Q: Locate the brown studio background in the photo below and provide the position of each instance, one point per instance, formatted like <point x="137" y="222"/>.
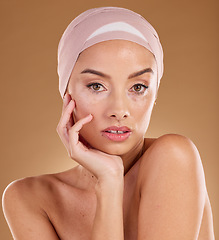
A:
<point x="31" y="105"/>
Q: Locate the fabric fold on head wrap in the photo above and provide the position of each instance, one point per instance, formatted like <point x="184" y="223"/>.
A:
<point x="102" y="24"/>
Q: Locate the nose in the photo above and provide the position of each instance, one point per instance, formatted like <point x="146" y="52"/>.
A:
<point x="118" y="107"/>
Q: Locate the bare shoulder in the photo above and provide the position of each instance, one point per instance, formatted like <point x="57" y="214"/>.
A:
<point x="37" y="190"/>
<point x="26" y="194"/>
<point x="172" y="153"/>
<point x="173" y="143"/>
<point x="172" y="189"/>
<point x="23" y="205"/>
<point x="28" y="189"/>
<point x="172" y="146"/>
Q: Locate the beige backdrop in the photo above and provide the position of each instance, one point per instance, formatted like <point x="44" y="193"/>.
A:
<point x="31" y="105"/>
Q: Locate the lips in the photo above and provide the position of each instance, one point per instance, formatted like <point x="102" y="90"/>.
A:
<point x="117" y="134"/>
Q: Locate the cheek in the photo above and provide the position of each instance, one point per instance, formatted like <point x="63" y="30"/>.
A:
<point x="86" y="104"/>
<point x="141" y="111"/>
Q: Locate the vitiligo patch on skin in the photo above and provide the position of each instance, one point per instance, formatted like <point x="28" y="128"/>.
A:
<point x="103" y="24"/>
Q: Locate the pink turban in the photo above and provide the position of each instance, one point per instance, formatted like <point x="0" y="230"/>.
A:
<point x="102" y="24"/>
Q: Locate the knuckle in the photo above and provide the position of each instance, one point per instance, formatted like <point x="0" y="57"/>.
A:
<point x="75" y="152"/>
<point x="57" y="128"/>
<point x="71" y="129"/>
<point x="71" y="154"/>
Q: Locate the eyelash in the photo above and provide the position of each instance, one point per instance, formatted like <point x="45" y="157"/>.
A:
<point x="142" y="85"/>
<point x="90" y="86"/>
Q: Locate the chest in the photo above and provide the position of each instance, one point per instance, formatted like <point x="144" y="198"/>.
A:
<point x="73" y="214"/>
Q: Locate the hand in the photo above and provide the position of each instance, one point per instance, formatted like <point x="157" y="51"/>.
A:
<point x="103" y="166"/>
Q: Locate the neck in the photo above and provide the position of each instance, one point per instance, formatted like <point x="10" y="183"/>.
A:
<point x="88" y="180"/>
<point x="130" y="158"/>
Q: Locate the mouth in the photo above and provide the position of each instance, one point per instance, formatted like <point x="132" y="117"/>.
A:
<point x="117" y="134"/>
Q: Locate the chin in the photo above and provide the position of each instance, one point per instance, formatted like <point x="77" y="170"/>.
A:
<point x="115" y="148"/>
<point x="118" y="151"/>
<point x="105" y="145"/>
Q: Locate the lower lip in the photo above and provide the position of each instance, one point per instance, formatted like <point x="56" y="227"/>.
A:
<point x="117" y="137"/>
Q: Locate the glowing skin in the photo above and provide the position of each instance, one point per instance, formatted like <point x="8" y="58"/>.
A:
<point x="94" y="200"/>
<point x="118" y="98"/>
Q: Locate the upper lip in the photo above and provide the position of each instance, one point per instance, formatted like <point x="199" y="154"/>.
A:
<point x="115" y="128"/>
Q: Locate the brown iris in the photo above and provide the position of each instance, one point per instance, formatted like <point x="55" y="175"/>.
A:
<point x="137" y="88"/>
<point x="96" y="87"/>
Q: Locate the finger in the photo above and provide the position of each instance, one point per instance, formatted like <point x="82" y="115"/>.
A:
<point x="74" y="131"/>
<point x="62" y="127"/>
<point x="71" y="122"/>
<point x="66" y="100"/>
<point x="67" y="113"/>
<point x="78" y="151"/>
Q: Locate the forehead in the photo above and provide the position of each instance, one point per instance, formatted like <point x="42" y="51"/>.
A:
<point x="111" y="51"/>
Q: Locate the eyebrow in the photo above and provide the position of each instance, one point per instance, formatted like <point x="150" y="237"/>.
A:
<point x="136" y="74"/>
<point x="141" y="72"/>
<point x="92" y="71"/>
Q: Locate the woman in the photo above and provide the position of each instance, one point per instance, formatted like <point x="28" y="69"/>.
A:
<point x="110" y="63"/>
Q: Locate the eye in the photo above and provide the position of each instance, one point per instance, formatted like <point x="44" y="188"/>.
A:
<point x="96" y="87"/>
<point x="139" y="88"/>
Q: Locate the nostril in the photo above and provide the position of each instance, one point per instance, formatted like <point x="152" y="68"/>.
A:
<point x="119" y="116"/>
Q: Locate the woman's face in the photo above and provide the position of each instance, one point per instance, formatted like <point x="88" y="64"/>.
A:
<point x="115" y="81"/>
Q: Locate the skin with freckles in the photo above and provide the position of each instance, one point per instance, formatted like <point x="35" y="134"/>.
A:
<point x="134" y="189"/>
<point x="118" y="98"/>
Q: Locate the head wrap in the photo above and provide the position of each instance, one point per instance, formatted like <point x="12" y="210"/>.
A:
<point x="102" y="24"/>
